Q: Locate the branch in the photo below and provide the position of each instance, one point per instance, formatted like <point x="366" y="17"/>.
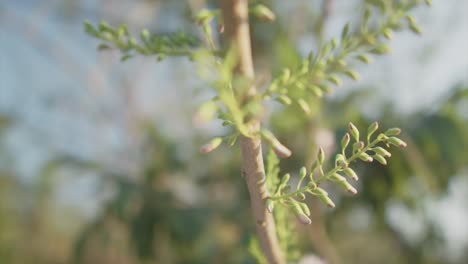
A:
<point x="235" y="15"/>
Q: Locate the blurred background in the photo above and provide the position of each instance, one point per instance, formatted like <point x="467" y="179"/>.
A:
<point x="99" y="158"/>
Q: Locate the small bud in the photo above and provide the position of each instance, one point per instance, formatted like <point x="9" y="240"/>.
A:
<point x="381" y="49"/>
<point x="350" y="173"/>
<point x="353" y="131"/>
<point x="270" y="205"/>
<point x="285" y="75"/>
<point x="284" y="99"/>
<point x="349" y="188"/>
<point x="334" y="43"/>
<point x="345" y="141"/>
<point x="397" y="142"/>
<point x="428" y="2"/>
<point x="341" y="63"/>
<point x="353" y="75"/>
<point x="358" y="145"/>
<point x="303" y="172"/>
<point x="382" y="136"/>
<point x="381" y="151"/>
<point x="304" y="219"/>
<point x="316" y="90"/>
<point x="365" y="157"/>
<point x="388" y="34"/>
<point x="393" y="132"/>
<point x="301" y="196"/>
<point x="323" y="196"/>
<point x="367" y="14"/>
<point x="413" y="25"/>
<point x="345" y="31"/>
<point x="285" y="179"/>
<point x="145" y="35"/>
<point x="334" y="79"/>
<point x="212" y="145"/>
<point x="305" y="208"/>
<point x="364" y="58"/>
<point x="340" y="161"/>
<point x="263" y="13"/>
<point x="301" y="216"/>
<point x="304" y="106"/>
<point x="321" y="156"/>
<point x="380" y="159"/>
<point x="312" y="185"/>
<point x="371" y="129"/>
<point x="280" y="150"/>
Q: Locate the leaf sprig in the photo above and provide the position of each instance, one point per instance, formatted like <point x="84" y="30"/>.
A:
<point x="373" y="148"/>
<point x="318" y="73"/>
<point x="160" y="45"/>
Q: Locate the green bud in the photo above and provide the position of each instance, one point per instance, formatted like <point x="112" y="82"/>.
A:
<point x="301" y="216"/>
<point x="382" y="152"/>
<point x="263" y="13"/>
<point x="396" y="142"/>
<point x="343" y="183"/>
<point x="358" y="145"/>
<point x="348" y="187"/>
<point x="388" y="34"/>
<point x="353" y="75"/>
<point x="319" y="191"/>
<point x="316" y="90"/>
<point x="145" y="35"/>
<point x="312" y="185"/>
<point x="381" y="49"/>
<point x="90" y="29"/>
<point x="303" y="172"/>
<point x="382" y="136"/>
<point x="285" y="179"/>
<point x="345" y="31"/>
<point x="301" y="196"/>
<point x="285" y="75"/>
<point x="428" y="2"/>
<point x="371" y="129"/>
<point x="304" y="219"/>
<point x="350" y="173"/>
<point x="393" y="132"/>
<point x="305" y="208"/>
<point x="367" y="14"/>
<point x="353" y="131"/>
<point x="364" y="58"/>
<point x="345" y="141"/>
<point x="365" y="157"/>
<point x="334" y="43"/>
<point x="280" y="150"/>
<point x="323" y="196"/>
<point x="416" y="29"/>
<point x="380" y="159"/>
<point x="103" y="47"/>
<point x="284" y="99"/>
<point x="326" y="200"/>
<point x="340" y="161"/>
<point x="212" y="145"/>
<point x="270" y="205"/>
<point x="304" y="105"/>
<point x="326" y="89"/>
<point x="341" y="63"/>
<point x="334" y="79"/>
<point x="321" y="156"/>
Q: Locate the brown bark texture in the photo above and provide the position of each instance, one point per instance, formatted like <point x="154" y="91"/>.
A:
<point x="236" y="24"/>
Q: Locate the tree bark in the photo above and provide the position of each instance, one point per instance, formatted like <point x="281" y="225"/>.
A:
<point x="236" y="24"/>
